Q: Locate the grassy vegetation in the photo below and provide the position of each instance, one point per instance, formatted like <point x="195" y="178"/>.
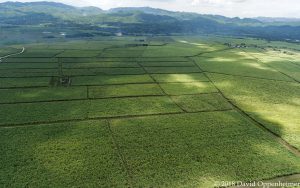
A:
<point x="106" y="80"/>
<point x="60" y="155"/>
<point x="203" y="102"/>
<point x="155" y="70"/>
<point x="42" y="112"/>
<point x="186" y="150"/>
<point x="41" y="94"/>
<point x="124" y="90"/>
<point x="132" y="106"/>
<point x="275" y="104"/>
<point x="195" y="77"/>
<point x="148" y="112"/>
<point x="24" y="82"/>
<point x="188" y="88"/>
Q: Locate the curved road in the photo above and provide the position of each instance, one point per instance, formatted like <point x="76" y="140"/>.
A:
<point x="23" y="49"/>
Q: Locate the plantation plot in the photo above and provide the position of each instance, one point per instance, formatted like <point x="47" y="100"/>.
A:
<point x="61" y="155"/>
<point x="155" y="70"/>
<point x="30" y="60"/>
<point x="78" y="72"/>
<point x="162" y="59"/>
<point x="182" y="111"/>
<point x="42" y="94"/>
<point x="100" y="64"/>
<point x="96" y="59"/>
<point x="124" y="52"/>
<point x="195" y="77"/>
<point x="78" y="53"/>
<point x="24" y="82"/>
<point x="202" y="102"/>
<point x="124" y="90"/>
<point x="188" y="88"/>
<point x="44" y="53"/>
<point x="171" y="50"/>
<point x="242" y="67"/>
<point x="117" y="71"/>
<point x="167" y="64"/>
<point x="281" y="64"/>
<point x="132" y="106"/>
<point x="12" y="114"/>
<point x="28" y="65"/>
<point x="186" y="150"/>
<point x="29" y="72"/>
<point x="274" y="104"/>
<point x="107" y="80"/>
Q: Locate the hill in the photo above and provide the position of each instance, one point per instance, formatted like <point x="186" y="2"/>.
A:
<point x="142" y="21"/>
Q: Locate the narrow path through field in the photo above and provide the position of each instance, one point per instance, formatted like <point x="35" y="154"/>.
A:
<point x="22" y="51"/>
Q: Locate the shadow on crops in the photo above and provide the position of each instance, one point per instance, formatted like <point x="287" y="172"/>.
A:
<point x="169" y="151"/>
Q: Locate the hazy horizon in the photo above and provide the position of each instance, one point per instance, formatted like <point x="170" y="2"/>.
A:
<point x="229" y="8"/>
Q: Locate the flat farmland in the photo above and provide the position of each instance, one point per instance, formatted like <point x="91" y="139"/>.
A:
<point x="185" y="111"/>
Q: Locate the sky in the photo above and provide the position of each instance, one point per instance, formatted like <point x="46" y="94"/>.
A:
<point x="230" y="8"/>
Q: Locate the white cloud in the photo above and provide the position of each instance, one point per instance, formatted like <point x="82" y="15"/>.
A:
<point x="232" y="8"/>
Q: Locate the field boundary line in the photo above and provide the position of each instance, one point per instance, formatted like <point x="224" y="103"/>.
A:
<point x="88" y="97"/>
<point x="260" y="78"/>
<point x="18" y="53"/>
<point x="121" y="156"/>
<point x="93" y="85"/>
<point x="15" y="125"/>
<point x="157" y="83"/>
<point x="259" y="60"/>
<point x="260" y="125"/>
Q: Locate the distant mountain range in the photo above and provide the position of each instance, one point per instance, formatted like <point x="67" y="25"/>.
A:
<point x="144" y="20"/>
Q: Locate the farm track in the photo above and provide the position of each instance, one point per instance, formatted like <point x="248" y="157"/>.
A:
<point x="10" y="55"/>
<point x="120" y="155"/>
<point x="277" y="137"/>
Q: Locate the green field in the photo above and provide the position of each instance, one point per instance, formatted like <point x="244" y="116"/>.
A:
<point x="115" y="112"/>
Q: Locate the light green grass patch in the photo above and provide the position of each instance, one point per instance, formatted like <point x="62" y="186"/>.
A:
<point x="24" y="82"/>
<point x="106" y="80"/>
<point x="79" y="53"/>
<point x="167" y="64"/>
<point x="124" y="90"/>
<point x="42" y="94"/>
<point x="42" y="112"/>
<point x="80" y="154"/>
<point x="203" y="102"/>
<point x="100" y="65"/>
<point x="154" y="70"/>
<point x="196" y="150"/>
<point x="132" y="106"/>
<point x="273" y="103"/>
<point x="194" y="77"/>
<point x="30" y="60"/>
<point x="115" y="71"/>
<point x="28" y="65"/>
<point x="188" y="88"/>
<point x="242" y="67"/>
